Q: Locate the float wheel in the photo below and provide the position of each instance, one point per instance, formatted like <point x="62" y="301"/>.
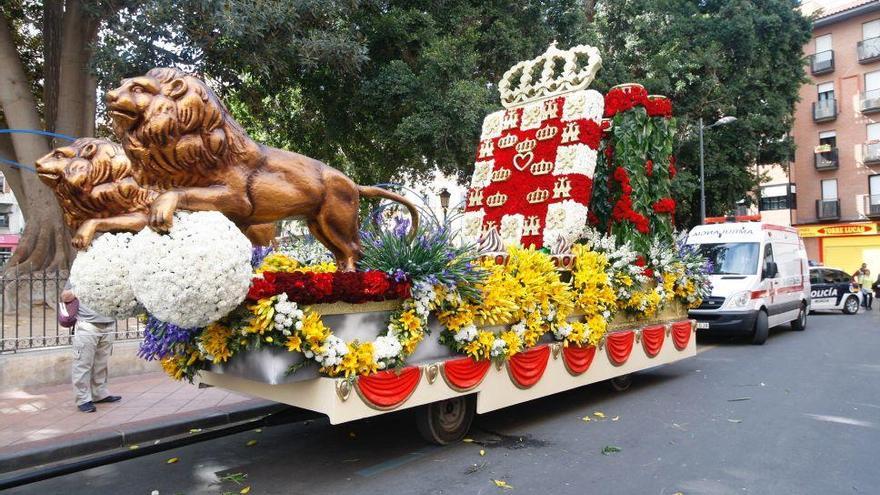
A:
<point x="620" y="383"/>
<point x="446" y="421"/>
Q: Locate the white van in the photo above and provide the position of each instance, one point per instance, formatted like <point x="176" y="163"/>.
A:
<point x="760" y="278"/>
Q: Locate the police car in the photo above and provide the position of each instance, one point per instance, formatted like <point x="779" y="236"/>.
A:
<point x="833" y="289"/>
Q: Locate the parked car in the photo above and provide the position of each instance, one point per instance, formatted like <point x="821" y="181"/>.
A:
<point x="759" y="278"/>
<point x="833" y="289"/>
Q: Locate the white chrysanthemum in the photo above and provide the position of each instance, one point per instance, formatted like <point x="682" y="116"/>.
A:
<point x="386" y="347"/>
<point x="195" y="274"/>
<point x="100" y="277"/>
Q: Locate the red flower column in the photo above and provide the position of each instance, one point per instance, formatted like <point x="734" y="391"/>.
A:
<point x="632" y="183"/>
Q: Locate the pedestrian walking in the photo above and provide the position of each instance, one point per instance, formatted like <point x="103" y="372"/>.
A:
<point x="863" y="278"/>
<point x="93" y="336"/>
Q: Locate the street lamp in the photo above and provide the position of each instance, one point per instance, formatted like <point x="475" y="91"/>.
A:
<point x="722" y="121"/>
<point x="444" y="202"/>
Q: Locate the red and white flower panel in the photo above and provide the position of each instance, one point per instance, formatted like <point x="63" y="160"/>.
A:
<point x="533" y="175"/>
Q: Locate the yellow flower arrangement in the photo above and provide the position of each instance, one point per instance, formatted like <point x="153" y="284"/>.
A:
<point x="263" y="315"/>
<point x="215" y="338"/>
<point x="527" y="290"/>
<point x="357" y="361"/>
<point x="594" y="295"/>
<point x="278" y="262"/>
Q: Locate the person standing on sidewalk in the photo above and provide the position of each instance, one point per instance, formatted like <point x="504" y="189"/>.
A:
<point x="863" y="278"/>
<point x="93" y="337"/>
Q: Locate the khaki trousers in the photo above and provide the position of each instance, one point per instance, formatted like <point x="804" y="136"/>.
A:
<point x="92" y="345"/>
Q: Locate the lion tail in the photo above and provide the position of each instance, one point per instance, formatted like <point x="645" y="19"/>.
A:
<point x="378" y="192"/>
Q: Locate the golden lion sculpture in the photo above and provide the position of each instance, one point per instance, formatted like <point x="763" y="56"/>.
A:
<point x="181" y="139"/>
<point x="92" y="181"/>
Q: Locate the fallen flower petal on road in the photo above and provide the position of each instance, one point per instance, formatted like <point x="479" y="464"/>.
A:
<point x="502" y="484"/>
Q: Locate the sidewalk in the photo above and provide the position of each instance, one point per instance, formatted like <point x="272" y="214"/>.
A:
<point x="41" y="424"/>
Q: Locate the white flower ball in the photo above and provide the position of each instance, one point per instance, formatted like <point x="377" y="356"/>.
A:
<point x="195" y="274"/>
<point x="100" y="277"/>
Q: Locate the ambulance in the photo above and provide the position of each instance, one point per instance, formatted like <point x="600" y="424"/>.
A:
<point x="760" y="278"/>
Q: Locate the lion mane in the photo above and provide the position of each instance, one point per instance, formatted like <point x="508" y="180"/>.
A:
<point x="91" y="178"/>
<point x="179" y="140"/>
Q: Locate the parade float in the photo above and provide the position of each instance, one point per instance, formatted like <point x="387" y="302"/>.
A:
<point x="562" y="270"/>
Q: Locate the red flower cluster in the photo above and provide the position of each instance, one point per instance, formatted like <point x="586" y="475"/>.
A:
<point x="659" y="107"/>
<point x="591" y="133"/>
<point x="321" y="288"/>
<point x="640" y="261"/>
<point x="628" y="97"/>
<point x="672" y="169"/>
<point x="622" y="99"/>
<point x="649" y="168"/>
<point x="665" y="205"/>
<point x="623" y="207"/>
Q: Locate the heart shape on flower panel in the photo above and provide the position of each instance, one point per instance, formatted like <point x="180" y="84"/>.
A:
<point x="533" y="180"/>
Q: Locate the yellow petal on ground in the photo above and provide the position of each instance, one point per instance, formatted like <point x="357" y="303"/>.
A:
<point x="482" y="452"/>
<point x="599" y="414"/>
<point x="133" y="447"/>
<point x="195" y="430"/>
<point x="467" y="440"/>
<point x="172" y="460"/>
<point x="587" y="419"/>
<point x="245" y="490"/>
<point x="259" y="430"/>
<point x="502" y="484"/>
<point x="615" y="418"/>
<point x="251" y="443"/>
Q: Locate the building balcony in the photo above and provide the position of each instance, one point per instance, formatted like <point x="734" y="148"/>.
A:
<point x="872" y="205"/>
<point x="868" y="50"/>
<point x="870" y="101"/>
<point x="871" y="153"/>
<point x="826" y="110"/>
<point x="822" y="62"/>
<point x="826" y="160"/>
<point x="828" y="209"/>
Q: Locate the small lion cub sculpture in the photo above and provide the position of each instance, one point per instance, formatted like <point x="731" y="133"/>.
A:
<point x="92" y="181"/>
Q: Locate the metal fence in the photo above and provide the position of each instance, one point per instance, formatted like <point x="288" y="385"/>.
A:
<point x="28" y="313"/>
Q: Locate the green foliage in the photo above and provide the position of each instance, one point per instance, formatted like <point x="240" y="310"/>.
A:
<point x="391" y="89"/>
<point x="428" y="257"/>
<point x="720" y="57"/>
<point x="635" y="139"/>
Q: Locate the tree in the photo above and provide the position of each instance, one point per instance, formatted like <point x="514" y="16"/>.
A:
<point x="712" y="58"/>
<point x="54" y="53"/>
<point x="418" y="101"/>
<point x="66" y="98"/>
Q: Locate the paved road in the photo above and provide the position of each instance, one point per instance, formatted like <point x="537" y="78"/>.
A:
<point x="808" y="423"/>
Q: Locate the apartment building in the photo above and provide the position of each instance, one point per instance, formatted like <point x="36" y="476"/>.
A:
<point x="836" y="168"/>
<point x="11" y="221"/>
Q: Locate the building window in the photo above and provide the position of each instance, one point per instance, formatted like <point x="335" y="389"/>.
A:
<point x="5" y="254"/>
<point x="777" y="197"/>
<point x="829" y="189"/>
<point x="869" y="48"/>
<point x="826" y="91"/>
<point x="4" y="220"/>
<point x="874" y="194"/>
<point x="872" y="85"/>
<point x="2" y="183"/>
<point x="828" y="139"/>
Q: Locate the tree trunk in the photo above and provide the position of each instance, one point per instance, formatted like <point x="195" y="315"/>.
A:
<point x="45" y="244"/>
<point x="53" y="11"/>
<point x="73" y="61"/>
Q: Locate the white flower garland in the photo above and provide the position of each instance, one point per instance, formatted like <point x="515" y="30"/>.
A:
<point x="100" y="277"/>
<point x="195" y="274"/>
